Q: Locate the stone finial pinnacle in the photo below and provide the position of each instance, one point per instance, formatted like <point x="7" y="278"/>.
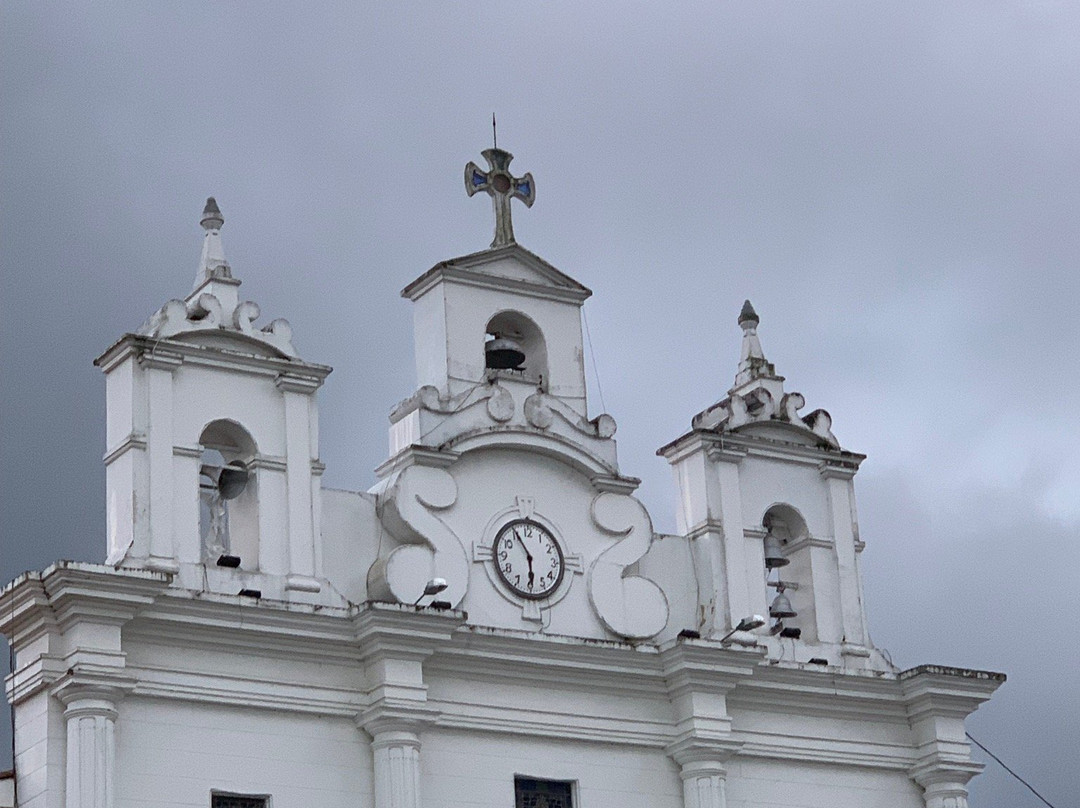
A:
<point x="212" y="263"/>
<point x="752" y="362"/>
<point x="211" y="215"/>
<point x="748" y="317"/>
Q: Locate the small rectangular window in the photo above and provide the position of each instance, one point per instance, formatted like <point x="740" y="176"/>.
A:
<point x="530" y="793"/>
<point x="238" y="801"/>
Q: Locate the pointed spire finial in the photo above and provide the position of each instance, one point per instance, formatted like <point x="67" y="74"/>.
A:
<point x="212" y="263"/>
<point x="211" y="215"/>
<point x="748" y="317"/>
<point x="752" y="362"/>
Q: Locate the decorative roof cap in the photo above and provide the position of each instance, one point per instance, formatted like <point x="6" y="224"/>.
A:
<point x="748" y="315"/>
<point x="211" y="215"/>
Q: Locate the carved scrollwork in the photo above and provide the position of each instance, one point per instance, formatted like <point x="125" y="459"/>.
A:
<point x="206" y="313"/>
<point x="431" y="549"/>
<point x="628" y="605"/>
<point x="537" y="411"/>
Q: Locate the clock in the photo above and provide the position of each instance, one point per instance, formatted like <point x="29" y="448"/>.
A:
<point x="528" y="559"/>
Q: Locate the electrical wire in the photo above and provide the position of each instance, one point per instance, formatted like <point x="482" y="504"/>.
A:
<point x="1001" y="763"/>
<point x="592" y="355"/>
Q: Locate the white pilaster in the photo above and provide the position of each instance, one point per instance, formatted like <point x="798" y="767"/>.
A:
<point x="159" y="443"/>
<point x="704" y="784"/>
<point x="725" y="501"/>
<point x="841" y="500"/>
<point x="397" y="768"/>
<point x="297" y="392"/>
<point x="90" y="717"/>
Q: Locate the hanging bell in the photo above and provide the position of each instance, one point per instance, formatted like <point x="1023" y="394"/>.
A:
<point x="781" y="606"/>
<point x="774" y="554"/>
<point x="503" y="353"/>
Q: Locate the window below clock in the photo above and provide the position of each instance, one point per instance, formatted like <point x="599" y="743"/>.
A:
<point x="238" y="801"/>
<point x="533" y="793"/>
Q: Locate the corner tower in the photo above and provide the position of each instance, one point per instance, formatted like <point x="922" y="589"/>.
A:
<point x="767" y="498"/>
<point x="212" y="464"/>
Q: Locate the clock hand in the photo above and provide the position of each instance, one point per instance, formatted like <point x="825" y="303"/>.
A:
<point x="528" y="557"/>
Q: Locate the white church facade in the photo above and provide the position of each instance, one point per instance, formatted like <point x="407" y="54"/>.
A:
<point x="495" y="623"/>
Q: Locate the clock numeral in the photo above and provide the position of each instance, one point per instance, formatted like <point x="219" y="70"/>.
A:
<point x="503" y="555"/>
<point x="549" y="549"/>
<point x="517" y="578"/>
<point x="507" y="568"/>
<point x="508" y="542"/>
<point x="554" y="562"/>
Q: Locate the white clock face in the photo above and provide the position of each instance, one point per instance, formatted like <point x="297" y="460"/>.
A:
<point x="528" y="559"/>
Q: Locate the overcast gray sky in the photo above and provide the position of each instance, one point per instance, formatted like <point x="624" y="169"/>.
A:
<point x="894" y="185"/>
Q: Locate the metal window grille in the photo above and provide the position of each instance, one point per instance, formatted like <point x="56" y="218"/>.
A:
<point x="235" y="801"/>
<point x="541" y="793"/>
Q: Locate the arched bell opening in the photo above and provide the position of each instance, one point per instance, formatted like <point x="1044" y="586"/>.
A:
<point x="789" y="573"/>
<point x="514" y="345"/>
<point x="228" y="496"/>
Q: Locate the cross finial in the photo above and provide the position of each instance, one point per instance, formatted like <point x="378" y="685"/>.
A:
<point x="501" y="186"/>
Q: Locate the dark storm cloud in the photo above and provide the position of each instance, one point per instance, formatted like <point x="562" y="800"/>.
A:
<point x="894" y="185"/>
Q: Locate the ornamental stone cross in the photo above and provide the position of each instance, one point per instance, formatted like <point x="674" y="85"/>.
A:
<point x="501" y="186"/>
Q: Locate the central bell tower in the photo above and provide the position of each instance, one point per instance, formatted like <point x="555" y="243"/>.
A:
<point x="498" y="481"/>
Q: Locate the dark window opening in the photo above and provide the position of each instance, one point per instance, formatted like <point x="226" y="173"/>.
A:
<point x="529" y="793"/>
<point x="237" y="801"/>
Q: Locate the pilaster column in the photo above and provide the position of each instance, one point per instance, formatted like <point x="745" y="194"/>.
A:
<point x="299" y="453"/>
<point x="945" y="783"/>
<point x="159" y="368"/>
<point x="699" y="675"/>
<point x="938" y="700"/>
<point x="90" y="717"/>
<point x="394" y="641"/>
<point x="395" y="747"/>
<point x="704" y="781"/>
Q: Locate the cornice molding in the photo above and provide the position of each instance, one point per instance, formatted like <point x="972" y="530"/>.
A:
<point x="133" y="440"/>
<point x="138" y="346"/>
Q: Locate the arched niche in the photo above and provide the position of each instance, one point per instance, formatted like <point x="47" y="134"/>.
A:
<point x="228" y="513"/>
<point x="786" y="523"/>
<point x="527" y="334"/>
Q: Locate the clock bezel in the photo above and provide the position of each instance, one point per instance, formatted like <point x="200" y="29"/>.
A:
<point x="516" y="590"/>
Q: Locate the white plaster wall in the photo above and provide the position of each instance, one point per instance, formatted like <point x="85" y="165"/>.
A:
<point x="785" y="784"/>
<point x="670" y="565"/>
<point x="7" y="792"/>
<point x="468" y="311"/>
<point x="766" y="482"/>
<point x="40" y="752"/>
<point x="202" y="395"/>
<point x="472" y="769"/>
<point x="173" y="753"/>
<point x="351" y="533"/>
<point x="488" y="481"/>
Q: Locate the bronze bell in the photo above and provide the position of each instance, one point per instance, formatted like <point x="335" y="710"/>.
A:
<point x="781" y="606"/>
<point x="774" y="554"/>
<point x="503" y="353"/>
